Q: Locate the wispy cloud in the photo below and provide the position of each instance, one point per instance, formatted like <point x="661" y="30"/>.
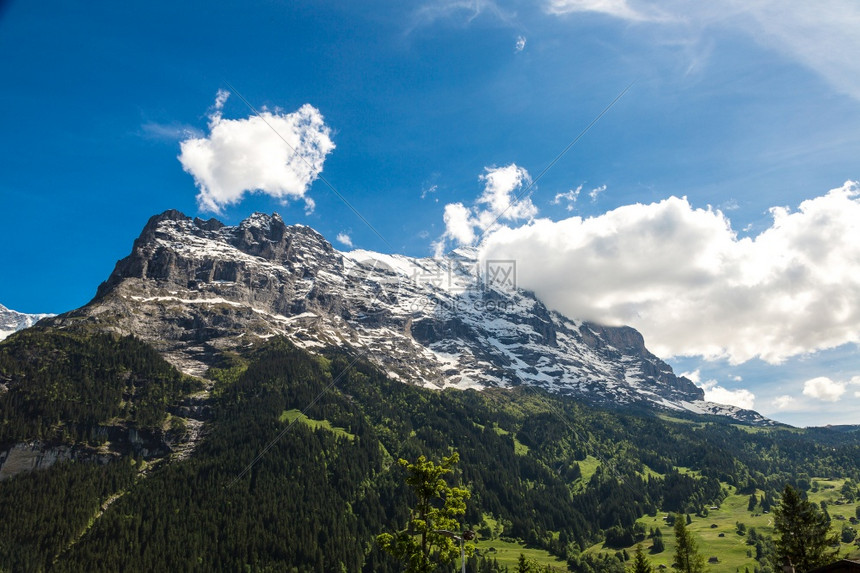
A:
<point x="276" y="153"/>
<point x="819" y="35"/>
<point x="595" y="192"/>
<point x="615" y="8"/>
<point x="462" y="11"/>
<point x="169" y="131"/>
<point x="569" y="197"/>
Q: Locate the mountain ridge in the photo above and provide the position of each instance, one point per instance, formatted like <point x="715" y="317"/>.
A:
<point x="195" y="288"/>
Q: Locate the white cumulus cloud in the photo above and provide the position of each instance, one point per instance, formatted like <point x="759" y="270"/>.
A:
<point x="279" y="154"/>
<point x="683" y="277"/>
<point x="498" y="202"/>
<point x="823" y="388"/>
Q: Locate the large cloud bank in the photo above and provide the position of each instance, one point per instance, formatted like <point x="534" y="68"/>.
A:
<point x="683" y="277"/>
<point x="279" y="154"/>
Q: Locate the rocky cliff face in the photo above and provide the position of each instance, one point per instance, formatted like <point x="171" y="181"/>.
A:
<point x="194" y="288"/>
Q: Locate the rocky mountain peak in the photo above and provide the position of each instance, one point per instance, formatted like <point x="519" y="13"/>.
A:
<point x="194" y="288"/>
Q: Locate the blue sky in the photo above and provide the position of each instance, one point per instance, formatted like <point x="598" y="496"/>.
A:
<point x="735" y="109"/>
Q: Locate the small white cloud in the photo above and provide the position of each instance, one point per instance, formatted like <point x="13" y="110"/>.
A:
<point x="459" y="224"/>
<point x="742" y="398"/>
<point x="783" y="402"/>
<point x="595" y="192"/>
<point x="570" y="196"/>
<point x="344" y="239"/>
<point x="279" y="154"/>
<point x="310" y="205"/>
<point x="521" y="44"/>
<point x="736" y="378"/>
<point x="429" y="190"/>
<point x="694" y="376"/>
<point x="823" y="388"/>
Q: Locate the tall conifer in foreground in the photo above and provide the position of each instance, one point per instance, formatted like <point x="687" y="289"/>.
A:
<point x="804" y="532"/>
<point x="421" y="545"/>
<point x="687" y="556"/>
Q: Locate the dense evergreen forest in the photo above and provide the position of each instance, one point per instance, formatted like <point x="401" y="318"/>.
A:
<point x="65" y="386"/>
<point x="329" y="483"/>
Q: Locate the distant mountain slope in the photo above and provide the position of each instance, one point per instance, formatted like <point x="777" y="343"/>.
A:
<point x="13" y="321"/>
<point x="194" y="288"/>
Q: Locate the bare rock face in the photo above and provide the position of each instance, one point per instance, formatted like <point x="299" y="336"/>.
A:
<point x="194" y="288"/>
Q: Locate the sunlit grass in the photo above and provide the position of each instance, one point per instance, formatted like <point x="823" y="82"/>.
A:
<point x="287" y="416"/>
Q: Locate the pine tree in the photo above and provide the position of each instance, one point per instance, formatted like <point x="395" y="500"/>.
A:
<point x="687" y="557"/>
<point x="523" y="565"/>
<point x="640" y="562"/>
<point x="658" y="546"/>
<point x="804" y="532"/>
<point x="422" y="545"/>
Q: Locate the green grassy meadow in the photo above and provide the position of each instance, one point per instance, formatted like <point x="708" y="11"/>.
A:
<point x="288" y="416"/>
<point x="731" y="548"/>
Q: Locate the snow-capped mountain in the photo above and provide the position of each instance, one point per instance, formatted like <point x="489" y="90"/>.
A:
<point x="13" y="321"/>
<point x="193" y="288"/>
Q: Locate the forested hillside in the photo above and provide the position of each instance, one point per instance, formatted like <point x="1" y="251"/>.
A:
<point x="542" y="469"/>
<point x="67" y="386"/>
